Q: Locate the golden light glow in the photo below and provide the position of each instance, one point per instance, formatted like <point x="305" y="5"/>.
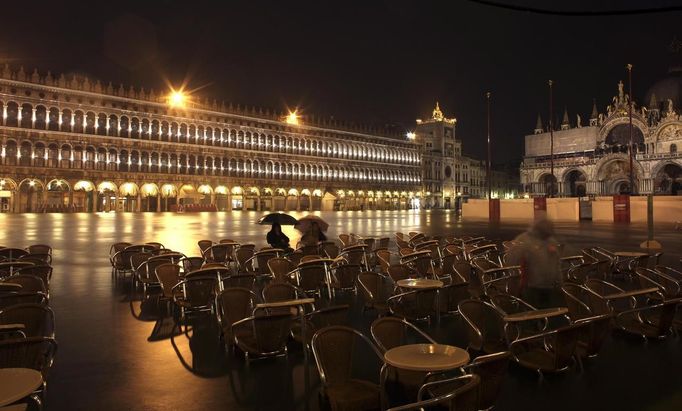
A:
<point x="205" y="189"/>
<point x="177" y="99"/>
<point x="83" y="186"/>
<point x="292" y="118"/>
<point x="221" y="190"/>
<point x="411" y="135"/>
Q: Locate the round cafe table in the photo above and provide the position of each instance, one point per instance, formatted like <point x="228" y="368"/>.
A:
<point x="629" y="254"/>
<point x="419" y="283"/>
<point x="18" y="383"/>
<point x="426" y="357"/>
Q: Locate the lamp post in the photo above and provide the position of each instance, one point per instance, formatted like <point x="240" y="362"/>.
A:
<point x="551" y="139"/>
<point x="632" y="176"/>
<point x="490" y="187"/>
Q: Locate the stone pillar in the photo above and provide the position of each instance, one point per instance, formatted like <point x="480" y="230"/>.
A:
<point x="212" y="198"/>
<point x="70" y="205"/>
<point x="310" y="203"/>
<point x="298" y="203"/>
<point x="138" y="203"/>
<point x="158" y="202"/>
<point x="229" y="201"/>
<point x="258" y="203"/>
<point x="592" y="187"/>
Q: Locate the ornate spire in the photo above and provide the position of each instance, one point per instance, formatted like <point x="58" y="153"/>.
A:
<point x="653" y="102"/>
<point x="565" y="123"/>
<point x="437" y="114"/>
<point x="538" y="125"/>
<point x="595" y="113"/>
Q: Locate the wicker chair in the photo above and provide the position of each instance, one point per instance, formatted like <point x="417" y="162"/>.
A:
<point x="12" y="254"/>
<point x="345" y="240"/>
<point x="262" y="257"/>
<point x="190" y="264"/>
<point x="204" y="245"/>
<point x="41" y="271"/>
<point x="244" y="257"/>
<point x="344" y="277"/>
<point x="334" y="349"/>
<point x="416" y="305"/>
<point x="355" y="254"/>
<point x="36" y="353"/>
<point x="8" y="299"/>
<point x="329" y="249"/>
<point x="400" y="272"/>
<point x="37" y="258"/>
<point x="310" y="277"/>
<point x="464" y="397"/>
<point x="383" y="259"/>
<point x="195" y="294"/>
<point x="668" y="286"/>
<point x="649" y="321"/>
<point x="317" y="320"/>
<point x="593" y="336"/>
<point x="8" y="268"/>
<point x="374" y="289"/>
<point x="168" y="276"/>
<point x="247" y="281"/>
<point x="232" y="305"/>
<point x="263" y="335"/>
<point x="38" y="319"/>
<point x="492" y="369"/>
<point x="281" y="269"/>
<point x="484" y="325"/>
<point x="220" y="253"/>
<point x="582" y="272"/>
<point x="28" y="283"/>
<point x="551" y="351"/>
<point x="390" y="332"/>
<point x="450" y="295"/>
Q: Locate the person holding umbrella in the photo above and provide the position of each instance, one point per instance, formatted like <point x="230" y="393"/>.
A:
<point x="313" y="228"/>
<point x="276" y="238"/>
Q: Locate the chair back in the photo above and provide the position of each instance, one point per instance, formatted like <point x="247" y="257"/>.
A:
<point x="373" y="287"/>
<point x="414" y="305"/>
<point x="10" y="298"/>
<point x="345" y="240"/>
<point x="383" y="242"/>
<point x="28" y="283"/>
<point x="244" y="257"/>
<point x="204" y="245"/>
<point x="44" y="272"/>
<point x="346" y="276"/>
<point x="593" y="336"/>
<point x="199" y="291"/>
<point x="450" y="295"/>
<point x="318" y="319"/>
<point x="240" y="280"/>
<point x="270" y="332"/>
<point x="262" y="258"/>
<point x="400" y="272"/>
<point x="280" y="267"/>
<point x="190" y="264"/>
<point x="36" y="353"/>
<point x="329" y="249"/>
<point x="235" y="304"/>
<point x="390" y="332"/>
<point x="354" y="254"/>
<point x="492" y="368"/>
<point x="116" y="247"/>
<point x="652" y="278"/>
<point x="220" y="253"/>
<point x="333" y="348"/>
<point x="38" y="319"/>
<point x="11" y="254"/>
<point x="8" y="268"/>
<point x="484" y="324"/>
<point x="310" y="277"/>
<point x="168" y="275"/>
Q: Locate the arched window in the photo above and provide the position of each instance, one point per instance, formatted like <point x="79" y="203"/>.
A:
<point x="673" y="148"/>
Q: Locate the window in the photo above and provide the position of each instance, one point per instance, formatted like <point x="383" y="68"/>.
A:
<point x="673" y="148"/>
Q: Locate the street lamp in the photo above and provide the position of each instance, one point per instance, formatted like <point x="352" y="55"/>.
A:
<point x="177" y="99"/>
<point x="551" y="139"/>
<point x="292" y="118"/>
<point x="632" y="176"/>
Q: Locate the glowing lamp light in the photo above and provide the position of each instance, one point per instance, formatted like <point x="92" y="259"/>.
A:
<point x="411" y="135"/>
<point x="292" y="118"/>
<point x="177" y="99"/>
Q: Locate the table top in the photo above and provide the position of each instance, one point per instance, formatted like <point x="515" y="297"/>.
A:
<point x="536" y="314"/>
<point x="287" y="303"/>
<point x="9" y="286"/>
<point x="419" y="283"/>
<point x="629" y="253"/>
<point x="18" y="383"/>
<point x="572" y="257"/>
<point x="632" y="293"/>
<point x="426" y="357"/>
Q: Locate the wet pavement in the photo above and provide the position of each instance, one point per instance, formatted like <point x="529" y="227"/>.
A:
<point x="118" y="354"/>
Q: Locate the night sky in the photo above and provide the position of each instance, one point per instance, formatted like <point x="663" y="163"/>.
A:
<point x="377" y="62"/>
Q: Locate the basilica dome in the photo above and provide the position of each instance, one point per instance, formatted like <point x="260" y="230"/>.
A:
<point x="669" y="87"/>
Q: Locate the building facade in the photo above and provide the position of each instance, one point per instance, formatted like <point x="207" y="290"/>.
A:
<point x="77" y="145"/>
<point x="594" y="159"/>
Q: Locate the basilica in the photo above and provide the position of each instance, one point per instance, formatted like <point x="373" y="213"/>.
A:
<point x="594" y="159"/>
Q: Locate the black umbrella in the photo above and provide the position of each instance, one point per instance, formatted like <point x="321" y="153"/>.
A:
<point x="281" y="218"/>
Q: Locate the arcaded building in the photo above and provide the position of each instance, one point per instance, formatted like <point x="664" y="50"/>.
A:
<point x="593" y="159"/>
<point x="72" y="144"/>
